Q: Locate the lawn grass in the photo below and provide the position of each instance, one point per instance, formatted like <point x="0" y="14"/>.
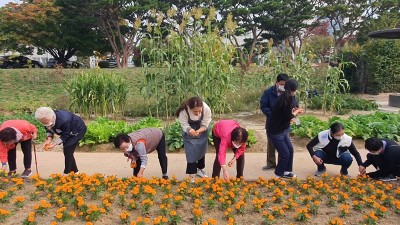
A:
<point x="23" y="90"/>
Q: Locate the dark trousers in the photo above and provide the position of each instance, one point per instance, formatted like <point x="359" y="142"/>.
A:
<point x="217" y="168"/>
<point x="285" y="152"/>
<point x="271" y="159"/>
<point x="162" y="158"/>
<point x="381" y="170"/>
<point x="344" y="160"/>
<point x="26" y="147"/>
<point x="191" y="168"/>
<point x="70" y="163"/>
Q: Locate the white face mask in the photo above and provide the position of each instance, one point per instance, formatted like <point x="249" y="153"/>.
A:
<point x="235" y="145"/>
<point x="130" y="148"/>
<point x="281" y="88"/>
<point x="338" y="138"/>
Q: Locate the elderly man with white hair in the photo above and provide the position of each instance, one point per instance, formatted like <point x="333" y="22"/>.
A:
<point x="70" y="128"/>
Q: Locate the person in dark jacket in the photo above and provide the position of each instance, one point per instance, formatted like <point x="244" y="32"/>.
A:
<point x="138" y="144"/>
<point x="333" y="146"/>
<point x="283" y="114"/>
<point x="69" y="127"/>
<point x="384" y="155"/>
<point x="267" y="102"/>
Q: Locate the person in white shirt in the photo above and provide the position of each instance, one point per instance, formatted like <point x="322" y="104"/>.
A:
<point x="195" y="116"/>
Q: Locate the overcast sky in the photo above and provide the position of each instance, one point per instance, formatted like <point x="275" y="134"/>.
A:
<point x="3" y="2"/>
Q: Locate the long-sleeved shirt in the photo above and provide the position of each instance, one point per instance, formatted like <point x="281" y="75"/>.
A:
<point x="184" y="119"/>
<point x="268" y="100"/>
<point x="331" y="149"/>
<point x="223" y="130"/>
<point x="24" y="130"/>
<point x="279" y="121"/>
<point x="387" y="162"/>
<point x="144" y="141"/>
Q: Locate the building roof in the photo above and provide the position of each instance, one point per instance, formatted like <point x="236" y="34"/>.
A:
<point x="389" y="34"/>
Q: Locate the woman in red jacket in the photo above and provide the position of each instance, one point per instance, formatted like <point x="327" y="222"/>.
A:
<point x="228" y="134"/>
<point x="13" y="132"/>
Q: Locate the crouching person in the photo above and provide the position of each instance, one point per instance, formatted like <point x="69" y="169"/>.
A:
<point x="138" y="144"/>
<point x="333" y="146"/>
<point x="384" y="155"/>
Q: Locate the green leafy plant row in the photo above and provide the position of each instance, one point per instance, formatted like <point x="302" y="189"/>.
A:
<point x="379" y="124"/>
<point x="344" y="103"/>
<point x="31" y="119"/>
<point x="103" y="130"/>
<point x="173" y="136"/>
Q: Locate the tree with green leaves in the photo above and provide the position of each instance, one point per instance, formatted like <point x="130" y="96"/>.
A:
<point x="318" y="41"/>
<point x="346" y="17"/>
<point x="40" y="23"/>
<point x="122" y="22"/>
<point x="260" y="20"/>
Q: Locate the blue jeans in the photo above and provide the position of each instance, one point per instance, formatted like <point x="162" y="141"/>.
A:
<point x="344" y="160"/>
<point x="284" y="148"/>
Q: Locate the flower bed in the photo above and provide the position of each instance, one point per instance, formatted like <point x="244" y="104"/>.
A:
<point x="97" y="199"/>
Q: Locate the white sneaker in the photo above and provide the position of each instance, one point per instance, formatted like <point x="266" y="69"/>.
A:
<point x="201" y="173"/>
<point x="191" y="178"/>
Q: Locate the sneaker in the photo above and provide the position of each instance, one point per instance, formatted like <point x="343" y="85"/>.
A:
<point x="165" y="177"/>
<point x="268" y="167"/>
<point x="201" y="173"/>
<point x="388" y="178"/>
<point x="289" y="175"/>
<point x="319" y="172"/>
<point x="26" y="173"/>
<point x="11" y="173"/>
<point x="192" y="180"/>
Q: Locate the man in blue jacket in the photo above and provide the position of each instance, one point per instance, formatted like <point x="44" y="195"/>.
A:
<point x="267" y="102"/>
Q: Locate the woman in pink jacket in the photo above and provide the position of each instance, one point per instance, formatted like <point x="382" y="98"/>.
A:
<point x="13" y="132"/>
<point x="228" y="134"/>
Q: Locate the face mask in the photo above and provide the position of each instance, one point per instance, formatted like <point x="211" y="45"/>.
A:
<point x="338" y="137"/>
<point x="49" y="126"/>
<point x="281" y="88"/>
<point x="130" y="148"/>
<point x="375" y="153"/>
<point x="235" y="145"/>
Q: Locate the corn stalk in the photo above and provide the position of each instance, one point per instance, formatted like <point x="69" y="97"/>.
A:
<point x="97" y="93"/>
<point x="183" y="65"/>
